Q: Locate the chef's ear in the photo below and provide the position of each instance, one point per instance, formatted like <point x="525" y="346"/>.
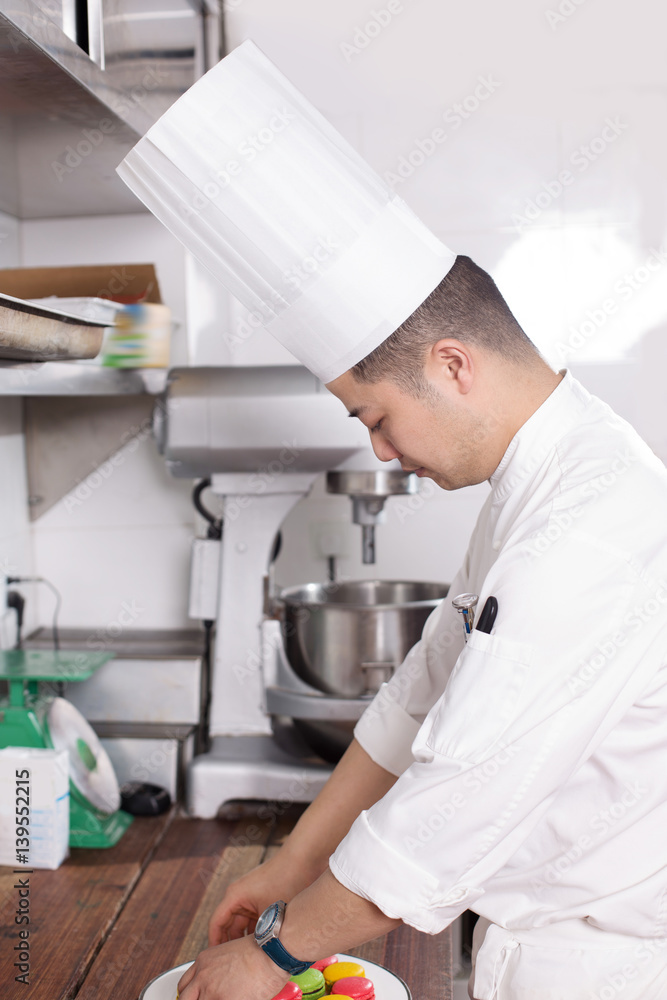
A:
<point x="450" y="361"/>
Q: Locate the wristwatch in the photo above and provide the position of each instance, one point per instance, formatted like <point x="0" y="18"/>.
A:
<point x="266" y="935"/>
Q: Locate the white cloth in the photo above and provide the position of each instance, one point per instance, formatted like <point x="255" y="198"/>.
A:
<point x="535" y="791"/>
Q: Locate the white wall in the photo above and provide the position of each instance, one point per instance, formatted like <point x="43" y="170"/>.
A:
<point x="119" y="549"/>
<point x="520" y="94"/>
<point x="16" y="557"/>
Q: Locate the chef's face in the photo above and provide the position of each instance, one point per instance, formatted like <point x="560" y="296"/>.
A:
<point x="437" y="435"/>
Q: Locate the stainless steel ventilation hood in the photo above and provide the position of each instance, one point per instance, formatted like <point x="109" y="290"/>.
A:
<point x="66" y="119"/>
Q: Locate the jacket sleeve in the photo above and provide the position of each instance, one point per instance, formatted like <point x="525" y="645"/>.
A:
<point x="389" y="725"/>
<point x="579" y="634"/>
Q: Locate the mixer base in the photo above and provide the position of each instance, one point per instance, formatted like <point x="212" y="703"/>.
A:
<point x="251" y="767"/>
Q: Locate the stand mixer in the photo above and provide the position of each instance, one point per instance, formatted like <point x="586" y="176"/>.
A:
<point x="262" y="435"/>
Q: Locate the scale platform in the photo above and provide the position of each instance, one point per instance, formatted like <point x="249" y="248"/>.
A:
<point x="23" y="724"/>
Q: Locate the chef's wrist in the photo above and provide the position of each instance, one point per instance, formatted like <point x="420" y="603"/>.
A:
<point x="301" y="937"/>
<point x="270" y="971"/>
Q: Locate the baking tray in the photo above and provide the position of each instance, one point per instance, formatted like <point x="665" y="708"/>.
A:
<point x="30" y="332"/>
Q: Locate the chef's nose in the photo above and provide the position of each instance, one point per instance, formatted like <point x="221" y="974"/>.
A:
<point x="383" y="448"/>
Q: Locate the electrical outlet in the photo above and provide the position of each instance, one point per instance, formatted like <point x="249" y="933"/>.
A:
<point x="330" y="538"/>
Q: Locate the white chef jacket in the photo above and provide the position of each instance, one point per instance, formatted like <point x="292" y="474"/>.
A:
<point x="533" y="760"/>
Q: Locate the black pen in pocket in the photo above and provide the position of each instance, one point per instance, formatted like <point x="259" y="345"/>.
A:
<point x="488" y="616"/>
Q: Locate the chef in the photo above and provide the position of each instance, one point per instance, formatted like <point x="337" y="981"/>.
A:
<point x="516" y="768"/>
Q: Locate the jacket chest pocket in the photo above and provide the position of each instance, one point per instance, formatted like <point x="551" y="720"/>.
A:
<point x="482" y="698"/>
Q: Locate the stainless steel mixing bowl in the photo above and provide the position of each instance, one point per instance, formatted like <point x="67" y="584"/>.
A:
<point x="347" y="638"/>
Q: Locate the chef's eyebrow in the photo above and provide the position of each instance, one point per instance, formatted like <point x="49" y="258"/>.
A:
<point x="358" y="410"/>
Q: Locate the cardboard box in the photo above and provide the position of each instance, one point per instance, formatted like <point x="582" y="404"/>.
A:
<point x="141" y="338"/>
<point x="120" y="282"/>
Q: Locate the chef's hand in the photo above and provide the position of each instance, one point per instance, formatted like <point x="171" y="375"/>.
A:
<point x="238" y="970"/>
<point x="356" y="783"/>
<point x="244" y="900"/>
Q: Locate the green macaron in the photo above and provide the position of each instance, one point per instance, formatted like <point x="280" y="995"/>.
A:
<point x="311" y="984"/>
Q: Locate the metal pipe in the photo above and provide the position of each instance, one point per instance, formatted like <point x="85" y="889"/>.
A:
<point x="368" y="543"/>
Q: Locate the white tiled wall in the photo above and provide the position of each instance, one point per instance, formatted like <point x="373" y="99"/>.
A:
<point x="517" y="89"/>
<point x="15" y="540"/>
<point x="119" y="551"/>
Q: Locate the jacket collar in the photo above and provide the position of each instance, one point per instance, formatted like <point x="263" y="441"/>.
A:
<point x="538" y="437"/>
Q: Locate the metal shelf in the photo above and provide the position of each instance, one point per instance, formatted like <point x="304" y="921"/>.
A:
<point x="66" y="123"/>
<point x="71" y="378"/>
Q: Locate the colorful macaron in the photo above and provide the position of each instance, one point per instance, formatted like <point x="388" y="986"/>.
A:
<point x="355" y="987"/>
<point x="311" y="984"/>
<point x="341" y="970"/>
<point x="324" y="962"/>
<point x="290" y="991"/>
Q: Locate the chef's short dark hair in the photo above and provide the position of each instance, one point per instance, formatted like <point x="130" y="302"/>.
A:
<point x="466" y="306"/>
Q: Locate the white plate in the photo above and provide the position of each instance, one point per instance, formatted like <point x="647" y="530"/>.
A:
<point x="388" y="986"/>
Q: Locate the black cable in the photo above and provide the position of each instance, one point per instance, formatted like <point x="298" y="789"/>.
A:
<point x="17" y="602"/>
<point x="203" y="735"/>
<point x="214" y="523"/>
<point x="277" y="546"/>
<point x="214" y="532"/>
<point x="56" y="593"/>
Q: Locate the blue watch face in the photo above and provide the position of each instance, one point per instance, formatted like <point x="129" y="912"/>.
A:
<point x="266" y="921"/>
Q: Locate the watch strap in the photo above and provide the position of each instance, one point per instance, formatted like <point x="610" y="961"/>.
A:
<point x="279" y="954"/>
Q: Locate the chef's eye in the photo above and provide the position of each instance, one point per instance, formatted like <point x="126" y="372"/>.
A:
<point x="377" y="427"/>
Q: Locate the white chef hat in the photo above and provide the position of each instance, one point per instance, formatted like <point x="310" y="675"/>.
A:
<point x="280" y="208"/>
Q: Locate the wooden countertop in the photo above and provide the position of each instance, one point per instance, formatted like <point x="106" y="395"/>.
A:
<point x="108" y="921"/>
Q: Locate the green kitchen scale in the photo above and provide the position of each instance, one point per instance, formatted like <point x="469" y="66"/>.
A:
<point x="30" y="718"/>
